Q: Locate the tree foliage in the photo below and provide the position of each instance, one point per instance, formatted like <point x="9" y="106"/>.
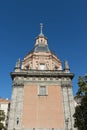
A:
<point x="82" y="83"/>
<point x="80" y="114"/>
<point x="2" y="118"/>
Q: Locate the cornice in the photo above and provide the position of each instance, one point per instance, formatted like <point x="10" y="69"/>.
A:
<point x="42" y="73"/>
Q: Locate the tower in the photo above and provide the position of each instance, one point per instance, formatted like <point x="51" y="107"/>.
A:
<point x="42" y="96"/>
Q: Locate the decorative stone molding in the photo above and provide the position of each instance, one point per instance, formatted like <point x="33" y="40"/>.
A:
<point x="17" y="83"/>
<point x="42" y="73"/>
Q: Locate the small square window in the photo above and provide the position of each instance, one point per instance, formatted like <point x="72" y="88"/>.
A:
<point x="42" y="91"/>
<point x="42" y="66"/>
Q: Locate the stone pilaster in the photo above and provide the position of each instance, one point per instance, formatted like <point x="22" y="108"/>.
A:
<point x="68" y="105"/>
<point x="15" y="117"/>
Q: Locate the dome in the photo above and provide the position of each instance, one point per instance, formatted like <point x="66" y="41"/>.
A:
<point x="41" y="58"/>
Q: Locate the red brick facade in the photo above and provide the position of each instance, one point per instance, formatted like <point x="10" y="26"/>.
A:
<point x="43" y="111"/>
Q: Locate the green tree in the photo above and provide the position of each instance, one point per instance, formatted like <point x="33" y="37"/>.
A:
<point x="2" y="118"/>
<point x="80" y="114"/>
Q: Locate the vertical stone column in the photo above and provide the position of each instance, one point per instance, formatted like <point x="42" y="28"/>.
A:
<point x="16" y="109"/>
<point x="68" y="104"/>
<point x="71" y="106"/>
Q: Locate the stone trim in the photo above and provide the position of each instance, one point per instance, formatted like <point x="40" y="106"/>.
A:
<point x="68" y="105"/>
<point x="42" y="73"/>
<point x="16" y="107"/>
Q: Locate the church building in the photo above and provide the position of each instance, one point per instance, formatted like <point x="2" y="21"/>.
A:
<point x="42" y="97"/>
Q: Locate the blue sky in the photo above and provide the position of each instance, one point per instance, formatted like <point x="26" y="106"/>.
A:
<point x="65" y="26"/>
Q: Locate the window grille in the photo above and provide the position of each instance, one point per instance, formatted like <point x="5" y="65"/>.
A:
<point x="42" y="91"/>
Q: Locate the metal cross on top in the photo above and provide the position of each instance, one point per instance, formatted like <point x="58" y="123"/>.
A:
<point x="41" y="28"/>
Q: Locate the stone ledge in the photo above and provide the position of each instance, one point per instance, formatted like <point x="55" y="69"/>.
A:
<point x="42" y="73"/>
